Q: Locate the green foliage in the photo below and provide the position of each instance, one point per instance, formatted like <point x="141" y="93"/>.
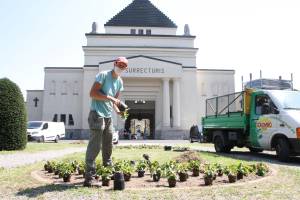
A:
<point x="155" y="168"/>
<point x="242" y="169"/>
<point x="141" y="166"/>
<point x="13" y="117"/>
<point x="182" y="168"/>
<point x="194" y="165"/>
<point x="261" y="169"/>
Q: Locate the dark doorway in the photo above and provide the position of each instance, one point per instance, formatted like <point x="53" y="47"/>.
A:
<point x="141" y="111"/>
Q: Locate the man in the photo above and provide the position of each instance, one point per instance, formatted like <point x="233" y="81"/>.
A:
<point x="104" y="94"/>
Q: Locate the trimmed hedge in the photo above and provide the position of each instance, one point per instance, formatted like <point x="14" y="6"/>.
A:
<point x="13" y="117"/>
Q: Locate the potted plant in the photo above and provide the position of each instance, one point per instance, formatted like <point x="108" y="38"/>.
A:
<point x="194" y="166"/>
<point x="182" y="170"/>
<point x="50" y="166"/>
<point x="140" y="168"/>
<point x="241" y="171"/>
<point x="106" y="176"/>
<point x="208" y="176"/>
<point x="261" y="169"/>
<point x="66" y="172"/>
<point x="231" y="172"/>
<point x="219" y="169"/>
<point x="127" y="170"/>
<point x="171" y="176"/>
<point x="155" y="171"/>
<point x="81" y="168"/>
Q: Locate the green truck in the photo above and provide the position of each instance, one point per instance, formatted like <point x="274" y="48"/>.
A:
<point x="259" y="119"/>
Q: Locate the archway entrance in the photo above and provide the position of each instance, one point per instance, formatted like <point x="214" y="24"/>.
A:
<point x="141" y="120"/>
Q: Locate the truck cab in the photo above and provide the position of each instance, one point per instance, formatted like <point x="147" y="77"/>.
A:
<point x="275" y="121"/>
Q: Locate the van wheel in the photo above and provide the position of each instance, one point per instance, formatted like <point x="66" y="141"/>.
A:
<point x="282" y="148"/>
<point x="42" y="139"/>
<point x="56" y="139"/>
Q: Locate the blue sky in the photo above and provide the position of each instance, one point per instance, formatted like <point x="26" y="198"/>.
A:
<point x="242" y="35"/>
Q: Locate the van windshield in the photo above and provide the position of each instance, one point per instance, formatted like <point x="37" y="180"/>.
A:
<point x="34" y="125"/>
<point x="289" y="100"/>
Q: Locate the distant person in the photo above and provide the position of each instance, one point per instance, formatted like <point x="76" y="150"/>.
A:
<point x="104" y="94"/>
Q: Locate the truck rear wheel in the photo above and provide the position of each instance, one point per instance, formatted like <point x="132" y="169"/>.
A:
<point x="282" y="149"/>
<point x="220" y="146"/>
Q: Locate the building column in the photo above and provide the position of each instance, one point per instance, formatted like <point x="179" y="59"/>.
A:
<point x="176" y="103"/>
<point x="166" y="102"/>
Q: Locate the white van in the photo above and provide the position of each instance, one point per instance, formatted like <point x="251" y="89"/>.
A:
<point x="44" y="131"/>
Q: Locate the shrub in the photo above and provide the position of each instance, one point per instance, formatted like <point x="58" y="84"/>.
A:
<point x="13" y="117"/>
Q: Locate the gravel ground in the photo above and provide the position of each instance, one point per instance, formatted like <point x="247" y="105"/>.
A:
<point x="19" y="159"/>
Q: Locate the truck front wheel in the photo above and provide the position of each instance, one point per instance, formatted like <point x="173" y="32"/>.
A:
<point x="282" y="149"/>
<point x="220" y="146"/>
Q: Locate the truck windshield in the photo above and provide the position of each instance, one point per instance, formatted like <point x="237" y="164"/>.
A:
<point x="289" y="100"/>
<point x="34" y="125"/>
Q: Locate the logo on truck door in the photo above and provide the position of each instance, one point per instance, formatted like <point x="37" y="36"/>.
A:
<point x="263" y="123"/>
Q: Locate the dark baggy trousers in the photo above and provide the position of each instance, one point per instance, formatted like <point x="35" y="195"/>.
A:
<point x="101" y="135"/>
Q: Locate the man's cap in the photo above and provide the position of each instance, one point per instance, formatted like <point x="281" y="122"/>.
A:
<point x="122" y="60"/>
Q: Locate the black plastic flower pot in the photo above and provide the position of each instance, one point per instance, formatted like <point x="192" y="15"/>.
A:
<point x="156" y="177"/>
<point x="208" y="180"/>
<point x="183" y="177"/>
<point x="141" y="173"/>
<point x="196" y="172"/>
<point x="119" y="182"/>
<point x="239" y="176"/>
<point x="172" y="182"/>
<point x="127" y="177"/>
<point x="105" y="182"/>
<point x="231" y="178"/>
<point x="67" y="178"/>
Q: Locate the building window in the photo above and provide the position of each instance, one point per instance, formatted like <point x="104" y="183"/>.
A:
<point x="132" y="31"/>
<point x="52" y="87"/>
<point x="64" y="88"/>
<point x="54" y="118"/>
<point x="63" y="118"/>
<point x="148" y="32"/>
<point x="71" y="121"/>
<point x="75" y="89"/>
<point x="141" y="32"/>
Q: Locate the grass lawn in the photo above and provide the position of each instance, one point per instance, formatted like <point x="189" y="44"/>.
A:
<point x="33" y="147"/>
<point x="17" y="183"/>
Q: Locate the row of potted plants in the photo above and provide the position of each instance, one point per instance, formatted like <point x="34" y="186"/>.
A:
<point x="170" y="170"/>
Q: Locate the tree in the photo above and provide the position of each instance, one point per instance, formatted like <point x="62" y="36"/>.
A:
<point x="13" y="117"/>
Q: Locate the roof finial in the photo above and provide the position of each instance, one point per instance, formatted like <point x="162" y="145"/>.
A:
<point x="94" y="27"/>
<point x="186" y="30"/>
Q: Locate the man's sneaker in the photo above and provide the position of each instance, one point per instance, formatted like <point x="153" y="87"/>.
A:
<point x="91" y="183"/>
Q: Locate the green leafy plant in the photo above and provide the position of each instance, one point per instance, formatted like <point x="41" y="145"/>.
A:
<point x="124" y="115"/>
<point x="261" y="169"/>
<point x="241" y="171"/>
<point x="219" y="169"/>
<point x="182" y="171"/>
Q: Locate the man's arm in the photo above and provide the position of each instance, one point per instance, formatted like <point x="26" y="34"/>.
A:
<point x="97" y="95"/>
<point x="115" y="106"/>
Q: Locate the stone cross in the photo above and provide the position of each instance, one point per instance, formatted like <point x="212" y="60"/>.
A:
<point x="35" y="101"/>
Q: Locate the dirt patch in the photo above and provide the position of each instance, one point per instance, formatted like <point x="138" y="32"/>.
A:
<point x="188" y="156"/>
<point x="147" y="182"/>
